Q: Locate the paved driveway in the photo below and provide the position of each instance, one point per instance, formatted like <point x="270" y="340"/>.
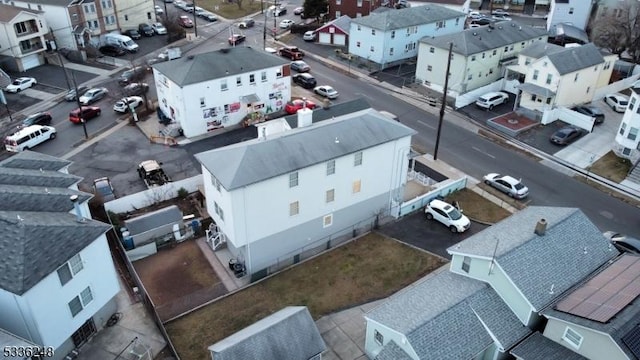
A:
<point x="482" y="115"/>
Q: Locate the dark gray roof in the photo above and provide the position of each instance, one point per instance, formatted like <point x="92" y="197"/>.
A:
<point x="391" y="351"/>
<point x="34" y="161"/>
<point x="152" y="220"/>
<point x="343" y="23"/>
<point x="576" y="58"/>
<point x="217" y="64"/>
<point x="8" y="12"/>
<point x="569" y="232"/>
<point x="403" y="18"/>
<point x="257" y="160"/>
<point x="477" y="40"/>
<point x="64" y="3"/>
<point x="289" y="334"/>
<point x="35" y="244"/>
<point x="540" y="49"/>
<point x="538" y="347"/>
<point x="38" y="198"/>
<point x="569" y="32"/>
<point x="16" y="176"/>
<point x="536" y="89"/>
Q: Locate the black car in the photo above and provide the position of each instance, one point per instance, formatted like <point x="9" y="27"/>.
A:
<point x="41" y="118"/>
<point x="592" y="111"/>
<point x="305" y="80"/>
<point x="146" y="29"/>
<point x="112" y="50"/>
<point x="71" y="94"/>
<point x="483" y="21"/>
<point x="623" y="243"/>
<point x="136" y="89"/>
<point x="236" y="39"/>
<point x="132" y="75"/>
<point x="132" y="33"/>
<point x="566" y="135"/>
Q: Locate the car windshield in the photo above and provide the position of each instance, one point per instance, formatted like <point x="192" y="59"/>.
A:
<point x="454" y="214"/>
<point x="624" y="102"/>
<point x="16" y="82"/>
<point x="103" y="189"/>
<point x="518" y="186"/>
<point x="129" y="43"/>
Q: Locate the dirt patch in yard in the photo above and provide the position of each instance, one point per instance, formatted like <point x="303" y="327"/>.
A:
<point x="179" y="279"/>
<point x="478" y="208"/>
<point x="369" y="268"/>
<point x="611" y="167"/>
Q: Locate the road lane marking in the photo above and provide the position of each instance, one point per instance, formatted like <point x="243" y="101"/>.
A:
<point x="480" y="151"/>
<point x="427" y="125"/>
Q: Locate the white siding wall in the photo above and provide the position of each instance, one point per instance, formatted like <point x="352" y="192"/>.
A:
<point x="189" y="112"/>
<point x="575" y="12"/>
<point x="130" y="13"/>
<point x="57" y="18"/>
<point x="595" y="345"/>
<point x="630" y="120"/>
<point x="46" y="304"/>
<point x="605" y="70"/>
<point x="223" y="199"/>
<point x="372" y="348"/>
<point x="543" y="70"/>
<point x="572" y="91"/>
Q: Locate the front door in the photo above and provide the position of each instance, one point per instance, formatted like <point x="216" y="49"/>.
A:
<point x="84" y="333"/>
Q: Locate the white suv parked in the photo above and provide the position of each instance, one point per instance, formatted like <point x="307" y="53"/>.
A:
<point x="448" y="215"/>
<point x="492" y="99"/>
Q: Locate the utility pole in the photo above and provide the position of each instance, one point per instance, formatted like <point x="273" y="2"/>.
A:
<point x="4" y="101"/>
<point x="444" y="102"/>
<point x="275" y="21"/>
<point x="195" y="22"/>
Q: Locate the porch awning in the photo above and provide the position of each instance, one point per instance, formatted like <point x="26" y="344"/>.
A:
<point x="537" y="90"/>
<point x="250" y="99"/>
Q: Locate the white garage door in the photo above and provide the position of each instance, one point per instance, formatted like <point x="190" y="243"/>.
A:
<point x="339" y="39"/>
<point x="31" y="61"/>
<point x="325" y="38"/>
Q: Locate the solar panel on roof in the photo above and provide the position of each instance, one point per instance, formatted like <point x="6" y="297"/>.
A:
<point x="607" y="293"/>
<point x="632" y="340"/>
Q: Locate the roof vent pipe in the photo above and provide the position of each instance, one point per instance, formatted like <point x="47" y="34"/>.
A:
<point x="541" y="227"/>
<point x="76" y="207"/>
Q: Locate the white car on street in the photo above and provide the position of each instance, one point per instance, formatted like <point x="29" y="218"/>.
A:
<point x="448" y="215"/>
<point x="285" y="24"/>
<point x="326" y="91"/>
<point x="159" y="29"/>
<point x="309" y="36"/>
<point x="617" y="102"/>
<point x="20" y="84"/>
<point x="507" y="184"/>
<point x="123" y="105"/>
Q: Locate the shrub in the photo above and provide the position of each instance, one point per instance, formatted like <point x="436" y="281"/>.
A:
<point x="182" y="193"/>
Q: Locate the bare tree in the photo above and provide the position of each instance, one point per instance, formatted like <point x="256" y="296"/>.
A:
<point x="239" y="3"/>
<point x="619" y="30"/>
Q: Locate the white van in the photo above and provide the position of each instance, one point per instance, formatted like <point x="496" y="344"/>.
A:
<point x="123" y="41"/>
<point x="28" y="137"/>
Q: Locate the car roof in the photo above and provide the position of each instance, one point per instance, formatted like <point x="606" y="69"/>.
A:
<point x="510" y="179"/>
<point x="619" y="96"/>
<point x="439" y="204"/>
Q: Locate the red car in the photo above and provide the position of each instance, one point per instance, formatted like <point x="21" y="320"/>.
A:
<point x="293" y="106"/>
<point x="88" y="112"/>
<point x="185" y="21"/>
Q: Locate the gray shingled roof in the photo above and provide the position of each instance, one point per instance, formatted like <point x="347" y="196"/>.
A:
<point x="38" y="198"/>
<point x="554" y="259"/>
<point x="154" y="219"/>
<point x="403" y="18"/>
<point x="540" y="49"/>
<point x="477" y="40"/>
<point x="35" y="244"/>
<point x="538" y="347"/>
<point x="576" y="58"/>
<point x="217" y="64"/>
<point x="64" y="3"/>
<point x="289" y="334"/>
<point x="16" y="176"/>
<point x="391" y="351"/>
<point x="343" y="23"/>
<point x="256" y="160"/>
<point x="34" y="161"/>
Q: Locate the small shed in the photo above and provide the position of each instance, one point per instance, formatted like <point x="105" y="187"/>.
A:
<point x="289" y="334"/>
<point x="154" y="226"/>
<point x="335" y="32"/>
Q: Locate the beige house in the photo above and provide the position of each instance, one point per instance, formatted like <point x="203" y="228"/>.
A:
<point x="553" y="76"/>
<point x="131" y="13"/>
<point x="22" y="39"/>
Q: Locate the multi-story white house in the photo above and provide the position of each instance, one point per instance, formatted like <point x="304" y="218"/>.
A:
<point x="276" y="197"/>
<point x="573" y="12"/>
<point x="627" y="141"/>
<point x="457" y="5"/>
<point x="553" y="75"/>
<point x="76" y="23"/>
<point x="22" y="39"/>
<point x="221" y="88"/>
<point x="389" y="37"/>
<point x="58" y="282"/>
<point x="479" y="55"/>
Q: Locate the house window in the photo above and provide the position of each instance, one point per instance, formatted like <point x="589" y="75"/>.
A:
<point x="89" y="8"/>
<point x="466" y="264"/>
<point x="473" y="58"/>
<point x="293" y="179"/>
<point x="527" y="62"/>
<point x="338" y="2"/>
<point x="377" y="336"/>
<point x="429" y="67"/>
<point x="67" y="271"/>
<point x="570" y="11"/>
<point x="252" y="79"/>
<point x="595" y="68"/>
<point x="572" y="337"/>
<point x="431" y="50"/>
<point x="484" y="55"/>
<point x="327" y="220"/>
<point x="126" y="17"/>
<point x="149" y="15"/>
<point x="495" y="52"/>
<point x="359" y="4"/>
<point x="576" y="77"/>
<point x="506" y="48"/>
<point x="588" y="89"/>
<point x="359" y="28"/>
<point x="215" y="183"/>
<point x="535" y="74"/>
<point x="223" y="85"/>
<point x="470" y="76"/>
<point x="357" y="43"/>
<point x="491" y="71"/>
<point x="391" y="52"/>
<point x="20" y="27"/>
<point x="40" y="7"/>
<point x="331" y="167"/>
<point x="457" y="21"/>
<point x="338" y="14"/>
<point x="372" y="48"/>
<point x="357" y="159"/>
<point x="355" y="187"/>
<point x="533" y="97"/>
<point x="511" y="48"/>
<point x="216" y="208"/>
<point x="632" y="103"/>
<point x="110" y="20"/>
<point x="373" y="31"/>
<point x="626" y="151"/>
<point x="329" y="196"/>
<point x="81" y="301"/>
<point x="393" y="34"/>
<point x="633" y="133"/>
<point x="106" y="4"/>
<point x="92" y="24"/>
<point x="549" y="78"/>
<point x="548" y="101"/>
<point x="358" y="15"/>
<point x="279" y="73"/>
<point x="440" y="24"/>
<point x="607" y="65"/>
<point x="221" y="213"/>
<point x="294" y="208"/>
<point x="623" y="128"/>
<point x="544" y="64"/>
<point x="238" y="80"/>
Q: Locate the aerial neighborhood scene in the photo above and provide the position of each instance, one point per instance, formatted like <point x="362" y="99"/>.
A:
<point x="320" y="179"/>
